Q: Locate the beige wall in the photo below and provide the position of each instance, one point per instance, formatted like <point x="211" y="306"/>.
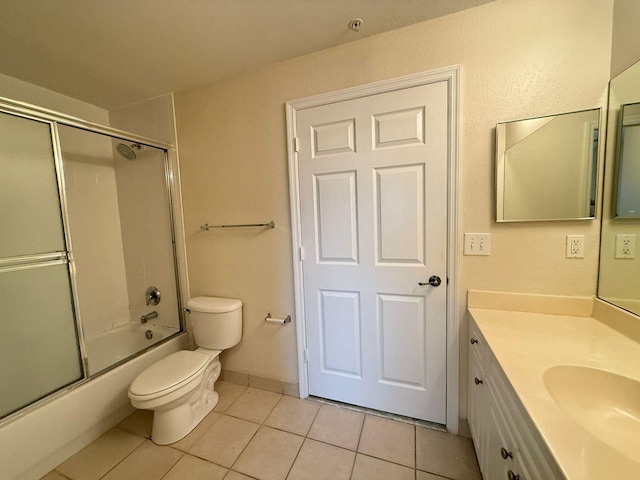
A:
<point x="625" y="48"/>
<point x="520" y="58"/>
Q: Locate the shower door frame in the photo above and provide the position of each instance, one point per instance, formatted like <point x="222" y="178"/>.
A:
<point x="53" y="118"/>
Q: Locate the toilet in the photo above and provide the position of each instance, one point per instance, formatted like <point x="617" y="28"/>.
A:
<point x="179" y="388"/>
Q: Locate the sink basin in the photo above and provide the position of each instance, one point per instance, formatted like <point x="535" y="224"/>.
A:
<point x="605" y="404"/>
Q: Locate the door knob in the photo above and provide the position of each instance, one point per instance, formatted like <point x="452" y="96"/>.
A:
<point x="434" y="281"/>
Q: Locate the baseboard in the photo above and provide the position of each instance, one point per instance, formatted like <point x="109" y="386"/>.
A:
<point x="263" y="383"/>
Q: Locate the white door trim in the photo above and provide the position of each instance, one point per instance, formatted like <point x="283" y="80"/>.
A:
<point x="451" y="75"/>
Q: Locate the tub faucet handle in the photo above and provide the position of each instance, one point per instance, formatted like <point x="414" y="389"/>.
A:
<point x="152" y="295"/>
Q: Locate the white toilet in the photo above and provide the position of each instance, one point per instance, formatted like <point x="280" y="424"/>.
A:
<point x="179" y="388"/>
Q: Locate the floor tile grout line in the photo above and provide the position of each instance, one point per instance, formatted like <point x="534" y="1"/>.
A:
<point x="282" y="429"/>
<point x="389" y="461"/>
<point x="364" y="420"/>
<point x="123" y="459"/>
<point x="243" y="450"/>
<point x="415" y="451"/>
<point x="355" y="457"/>
<point x="232" y="403"/>
<point x="378" y="413"/>
<point x="306" y="435"/>
<point x="222" y="414"/>
<point x="61" y="474"/>
<point x="174" y="463"/>
<point x="296" y="457"/>
<point x="262" y="422"/>
<point x="267" y="416"/>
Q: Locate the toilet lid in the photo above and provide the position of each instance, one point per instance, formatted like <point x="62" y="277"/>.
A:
<point x="170" y="373"/>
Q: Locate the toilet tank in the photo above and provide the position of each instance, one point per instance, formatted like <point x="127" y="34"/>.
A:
<point x="216" y="321"/>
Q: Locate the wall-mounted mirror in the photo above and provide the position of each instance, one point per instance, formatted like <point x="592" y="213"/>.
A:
<point x="546" y="167"/>
<point x="628" y="162"/>
<point x="619" y="279"/>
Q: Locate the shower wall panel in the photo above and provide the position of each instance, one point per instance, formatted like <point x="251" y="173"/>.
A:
<point x="146" y="234"/>
<point x="152" y="118"/>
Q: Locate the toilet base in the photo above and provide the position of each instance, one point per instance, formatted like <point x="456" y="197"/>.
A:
<point x="174" y="424"/>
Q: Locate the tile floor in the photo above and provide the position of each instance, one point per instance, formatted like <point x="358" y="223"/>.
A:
<point x="256" y="434"/>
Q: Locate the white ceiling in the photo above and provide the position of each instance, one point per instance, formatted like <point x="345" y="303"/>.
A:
<point x="114" y="52"/>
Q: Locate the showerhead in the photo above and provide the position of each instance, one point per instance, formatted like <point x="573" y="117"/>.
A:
<point x="128" y="151"/>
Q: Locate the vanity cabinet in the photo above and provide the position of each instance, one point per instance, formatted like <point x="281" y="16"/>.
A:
<point x="477" y="392"/>
<point x="506" y="441"/>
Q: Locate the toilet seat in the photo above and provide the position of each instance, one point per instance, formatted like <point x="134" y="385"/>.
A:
<point x="169" y="374"/>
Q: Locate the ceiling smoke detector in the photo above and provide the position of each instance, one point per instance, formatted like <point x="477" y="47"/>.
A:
<point x="355" y="24"/>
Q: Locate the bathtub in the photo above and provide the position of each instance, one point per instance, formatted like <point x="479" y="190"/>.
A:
<point x="38" y="441"/>
<point x="110" y="348"/>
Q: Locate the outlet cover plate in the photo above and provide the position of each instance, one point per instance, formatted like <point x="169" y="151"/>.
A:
<point x="477" y="243"/>
<point x="575" y="246"/>
<point x="625" y="246"/>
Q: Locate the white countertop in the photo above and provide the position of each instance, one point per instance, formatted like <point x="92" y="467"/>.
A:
<point x="526" y="344"/>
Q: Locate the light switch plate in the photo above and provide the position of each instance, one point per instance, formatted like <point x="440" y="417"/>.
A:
<point x="477" y="243"/>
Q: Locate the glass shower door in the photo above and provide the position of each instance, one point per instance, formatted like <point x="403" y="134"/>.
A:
<point x="39" y="346"/>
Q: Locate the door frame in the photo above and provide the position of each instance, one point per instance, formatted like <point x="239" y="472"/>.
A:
<point x="450" y="75"/>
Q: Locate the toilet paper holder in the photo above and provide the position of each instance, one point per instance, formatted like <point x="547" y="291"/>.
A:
<point x="280" y="321"/>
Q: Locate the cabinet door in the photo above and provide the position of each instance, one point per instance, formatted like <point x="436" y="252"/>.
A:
<point x="499" y="441"/>
<point x="476" y="407"/>
<point x="520" y="471"/>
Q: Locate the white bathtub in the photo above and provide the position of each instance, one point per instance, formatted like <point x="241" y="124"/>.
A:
<point x="37" y="442"/>
<point x="111" y="347"/>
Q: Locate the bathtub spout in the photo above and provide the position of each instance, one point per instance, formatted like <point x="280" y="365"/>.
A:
<point x="148" y="316"/>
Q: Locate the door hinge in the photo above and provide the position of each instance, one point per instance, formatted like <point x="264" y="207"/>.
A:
<point x="296" y="144"/>
<point x="306" y="355"/>
<point x="301" y="253"/>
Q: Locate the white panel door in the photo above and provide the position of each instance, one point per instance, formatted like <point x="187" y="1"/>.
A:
<point x="373" y="202"/>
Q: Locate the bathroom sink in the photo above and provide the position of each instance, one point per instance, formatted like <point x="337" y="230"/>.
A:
<point x="605" y="404"/>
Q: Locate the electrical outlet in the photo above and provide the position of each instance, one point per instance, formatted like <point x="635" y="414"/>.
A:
<point x="575" y="246"/>
<point x="625" y="246"/>
<point x="477" y="243"/>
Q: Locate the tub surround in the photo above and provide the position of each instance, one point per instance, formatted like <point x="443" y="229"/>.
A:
<point x="527" y="343"/>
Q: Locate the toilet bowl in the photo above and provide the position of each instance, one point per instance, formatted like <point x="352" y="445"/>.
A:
<point x="180" y="388"/>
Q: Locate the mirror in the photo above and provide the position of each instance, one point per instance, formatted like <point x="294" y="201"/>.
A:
<point x="619" y="279"/>
<point x="546" y="167"/>
<point x="628" y="162"/>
